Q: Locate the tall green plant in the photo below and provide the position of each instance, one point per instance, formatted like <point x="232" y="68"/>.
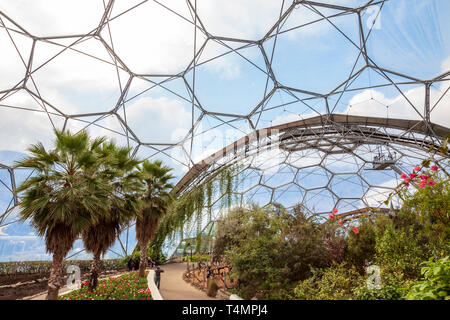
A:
<point x="156" y="199"/>
<point x="436" y="282"/>
<point x="119" y="171"/>
<point x="65" y="196"/>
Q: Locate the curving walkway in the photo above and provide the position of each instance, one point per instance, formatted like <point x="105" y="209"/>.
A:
<point x="173" y="287"/>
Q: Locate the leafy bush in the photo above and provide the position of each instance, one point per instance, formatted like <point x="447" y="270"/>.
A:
<point x="360" y="248"/>
<point x="288" y="255"/>
<point x="393" y="287"/>
<point x="399" y="251"/>
<point x="197" y="258"/>
<point x="436" y="282"/>
<point x="151" y="253"/>
<point x="432" y="203"/>
<point x="135" y="256"/>
<point x="271" y="249"/>
<point x="335" y="283"/>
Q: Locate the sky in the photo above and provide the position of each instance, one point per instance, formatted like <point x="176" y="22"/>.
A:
<point x="156" y="42"/>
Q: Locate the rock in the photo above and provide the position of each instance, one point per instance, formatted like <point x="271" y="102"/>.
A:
<point x="212" y="287"/>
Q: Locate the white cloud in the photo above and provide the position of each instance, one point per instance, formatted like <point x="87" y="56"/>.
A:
<point x="75" y="71"/>
<point x="156" y="119"/>
<point x="446" y="65"/>
<point x="23" y="128"/>
<point x="375" y="196"/>
<point x="373" y="103"/>
<point x="249" y="19"/>
<point x="54" y="17"/>
<point x="291" y="117"/>
<point x="12" y="68"/>
<point x="1" y="232"/>
<point x="226" y="67"/>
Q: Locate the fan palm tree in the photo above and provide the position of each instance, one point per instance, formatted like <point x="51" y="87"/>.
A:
<point x="156" y="199"/>
<point x="65" y="196"/>
<point x="119" y="171"/>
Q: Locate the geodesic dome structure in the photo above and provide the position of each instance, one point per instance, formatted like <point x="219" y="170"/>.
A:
<point x="321" y="102"/>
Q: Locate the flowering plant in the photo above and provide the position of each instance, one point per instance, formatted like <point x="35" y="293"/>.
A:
<point x="126" y="287"/>
<point x="332" y="216"/>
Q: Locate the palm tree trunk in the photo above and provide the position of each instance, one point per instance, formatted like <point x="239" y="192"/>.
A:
<point x="93" y="276"/>
<point x="54" y="281"/>
<point x="143" y="263"/>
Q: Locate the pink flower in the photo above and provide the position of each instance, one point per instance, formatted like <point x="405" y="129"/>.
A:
<point x="340" y="223"/>
<point x="434" y="168"/>
<point x="412" y="175"/>
<point x="407" y="184"/>
<point x="331" y="216"/>
<point x="403" y="176"/>
<point x="335" y="211"/>
<point x="417" y="168"/>
<point x="355" y="230"/>
<point x="431" y="182"/>
<point x="422" y="184"/>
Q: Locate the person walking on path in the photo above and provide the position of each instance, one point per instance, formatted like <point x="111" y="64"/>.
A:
<point x="158" y="272"/>
<point x="130" y="264"/>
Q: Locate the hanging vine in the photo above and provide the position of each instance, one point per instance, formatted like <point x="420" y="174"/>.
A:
<point x="189" y="207"/>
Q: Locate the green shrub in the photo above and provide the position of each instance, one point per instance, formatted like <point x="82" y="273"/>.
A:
<point x="151" y="253"/>
<point x="399" y="251"/>
<point x="197" y="257"/>
<point x="271" y="249"/>
<point x="393" y="287"/>
<point x="360" y="249"/>
<point x="436" y="282"/>
<point x="432" y="203"/>
<point x="334" y="283"/>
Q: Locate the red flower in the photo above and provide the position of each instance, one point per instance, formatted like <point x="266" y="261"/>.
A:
<point x="407" y="184"/>
<point x="331" y="216"/>
<point x="434" y="168"/>
<point x="403" y="176"/>
<point x="355" y="230"/>
<point x="417" y="168"/>
<point x="422" y="184"/>
<point x="340" y="223"/>
<point x="412" y="175"/>
<point x="335" y="211"/>
<point x="431" y="182"/>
